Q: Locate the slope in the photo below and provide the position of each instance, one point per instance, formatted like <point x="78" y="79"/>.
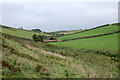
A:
<point x="108" y="43"/>
<point x="21" y="33"/>
<point x="23" y="58"/>
<point x="97" y="31"/>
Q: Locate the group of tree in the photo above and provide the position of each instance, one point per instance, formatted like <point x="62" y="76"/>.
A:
<point x="41" y="38"/>
<point x="37" y="30"/>
<point x="37" y="38"/>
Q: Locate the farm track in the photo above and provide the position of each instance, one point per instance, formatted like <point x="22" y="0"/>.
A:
<point x="54" y="54"/>
<point x="46" y="52"/>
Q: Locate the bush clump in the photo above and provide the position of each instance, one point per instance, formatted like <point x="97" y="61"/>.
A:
<point x="37" y="38"/>
<point x="37" y="30"/>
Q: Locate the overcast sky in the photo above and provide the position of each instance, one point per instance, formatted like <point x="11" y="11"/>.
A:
<point x="54" y="16"/>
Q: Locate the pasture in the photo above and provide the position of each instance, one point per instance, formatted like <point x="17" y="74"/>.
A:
<point x="102" y="30"/>
<point x="109" y="43"/>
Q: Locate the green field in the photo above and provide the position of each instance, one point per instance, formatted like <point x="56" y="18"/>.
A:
<point x="109" y="42"/>
<point x="21" y="33"/>
<point x="102" y="30"/>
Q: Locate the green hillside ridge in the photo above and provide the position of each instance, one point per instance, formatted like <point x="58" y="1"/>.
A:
<point x="97" y="31"/>
<point x="103" y="43"/>
<point x="21" y="33"/>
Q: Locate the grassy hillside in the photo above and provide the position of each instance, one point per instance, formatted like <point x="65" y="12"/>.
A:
<point x="83" y="58"/>
<point x="23" y="60"/>
<point x="109" y="43"/>
<point x="27" y="59"/>
<point x="21" y="33"/>
<point x="97" y="31"/>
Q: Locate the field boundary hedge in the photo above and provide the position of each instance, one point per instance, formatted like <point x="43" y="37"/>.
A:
<point x="15" y="37"/>
<point x="92" y="36"/>
<point x="90" y="29"/>
<point x="84" y="30"/>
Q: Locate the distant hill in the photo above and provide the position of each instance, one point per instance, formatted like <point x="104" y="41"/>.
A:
<point x="20" y="33"/>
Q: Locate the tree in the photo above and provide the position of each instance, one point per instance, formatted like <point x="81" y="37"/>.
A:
<point x="40" y="38"/>
<point x="37" y="38"/>
<point x="37" y="30"/>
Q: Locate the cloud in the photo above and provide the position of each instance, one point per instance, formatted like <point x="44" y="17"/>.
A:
<point x="59" y="16"/>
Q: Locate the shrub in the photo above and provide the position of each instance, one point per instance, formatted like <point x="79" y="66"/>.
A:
<point x="36" y="30"/>
<point x="35" y="37"/>
<point x="39" y="68"/>
<point x="38" y="38"/>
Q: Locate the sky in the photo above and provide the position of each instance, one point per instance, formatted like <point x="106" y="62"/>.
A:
<point x="56" y="16"/>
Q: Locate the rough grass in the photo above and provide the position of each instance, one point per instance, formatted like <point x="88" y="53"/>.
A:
<point x="27" y="59"/>
<point x="102" y="30"/>
<point x="38" y="66"/>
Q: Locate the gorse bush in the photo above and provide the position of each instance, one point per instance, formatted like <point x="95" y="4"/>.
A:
<point x="37" y="38"/>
